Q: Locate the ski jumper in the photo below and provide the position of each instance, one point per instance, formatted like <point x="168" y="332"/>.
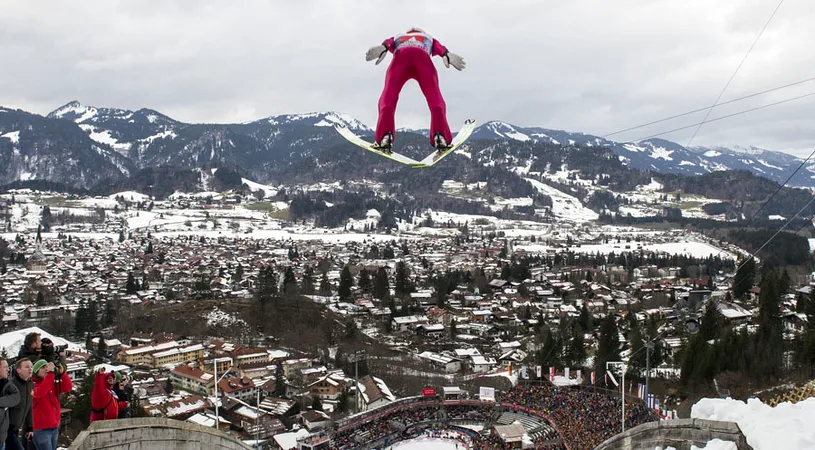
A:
<point x="412" y="54"/>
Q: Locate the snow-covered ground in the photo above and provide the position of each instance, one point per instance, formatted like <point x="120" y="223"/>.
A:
<point x="787" y="426"/>
<point x="565" y="206"/>
<point x="427" y="444"/>
<point x="685" y="247"/>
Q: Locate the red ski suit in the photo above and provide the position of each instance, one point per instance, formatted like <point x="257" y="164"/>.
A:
<point x="412" y="54"/>
<point x="104" y="404"/>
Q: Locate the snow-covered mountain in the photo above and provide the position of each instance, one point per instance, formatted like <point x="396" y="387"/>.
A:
<point x="664" y="156"/>
<point x="79" y="145"/>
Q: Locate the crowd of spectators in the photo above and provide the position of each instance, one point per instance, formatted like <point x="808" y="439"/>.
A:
<point x="469" y="412"/>
<point x="584" y="418"/>
<point x="384" y="425"/>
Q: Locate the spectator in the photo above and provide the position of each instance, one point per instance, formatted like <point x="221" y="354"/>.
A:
<point x="124" y="392"/>
<point x="31" y="348"/>
<point x="9" y="398"/>
<point x="45" y="405"/>
<point x="104" y="403"/>
<point x="21" y="427"/>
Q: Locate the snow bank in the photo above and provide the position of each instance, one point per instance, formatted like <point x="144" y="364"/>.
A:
<point x="766" y="428"/>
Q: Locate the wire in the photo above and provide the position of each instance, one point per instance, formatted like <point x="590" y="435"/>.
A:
<point x="734" y="73"/>
<point x="776" y="234"/>
<point x="780" y="187"/>
<point x="727" y="116"/>
<point x="766" y="91"/>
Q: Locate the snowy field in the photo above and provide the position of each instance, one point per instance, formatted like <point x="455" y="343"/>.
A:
<point x="427" y="444"/>
<point x="685" y="247"/>
<point x="787" y="426"/>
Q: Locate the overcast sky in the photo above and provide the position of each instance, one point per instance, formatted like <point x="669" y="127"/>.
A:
<point x="594" y="66"/>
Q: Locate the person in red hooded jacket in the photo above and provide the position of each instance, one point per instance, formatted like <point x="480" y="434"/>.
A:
<point x="105" y="404"/>
<point x="45" y="403"/>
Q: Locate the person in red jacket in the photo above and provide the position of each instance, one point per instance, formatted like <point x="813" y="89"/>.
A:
<point x="45" y="404"/>
<point x="105" y="404"/>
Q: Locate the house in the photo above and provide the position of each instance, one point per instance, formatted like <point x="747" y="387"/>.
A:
<point x="328" y="387"/>
<point x="247" y="356"/>
<point x="480" y="316"/>
<point x="481" y="364"/>
<point x="208" y="420"/>
<point x="448" y="364"/>
<point x="293" y="366"/>
<point x="431" y="330"/>
<point x="374" y="392"/>
<point x="315" y="420"/>
<point x="177" y="355"/>
<point x="37" y="262"/>
<point x="733" y="313"/>
<point x="407" y="323"/>
<point x="184" y="408"/>
<point x="240" y="388"/>
<point x="252" y="420"/>
<point x="143" y="354"/>
<point x="192" y="379"/>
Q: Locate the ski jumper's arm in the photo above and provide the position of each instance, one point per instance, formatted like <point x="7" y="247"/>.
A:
<point x="390" y="44"/>
<point x="438" y="48"/>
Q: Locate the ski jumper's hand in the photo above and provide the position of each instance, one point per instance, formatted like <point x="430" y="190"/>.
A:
<point x="456" y="61"/>
<point x="377" y="52"/>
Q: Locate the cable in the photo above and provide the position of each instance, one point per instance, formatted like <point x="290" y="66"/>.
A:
<point x="734" y="73"/>
<point x="780" y="187"/>
<point x="767" y="91"/>
<point x="776" y="234"/>
<point x="727" y="116"/>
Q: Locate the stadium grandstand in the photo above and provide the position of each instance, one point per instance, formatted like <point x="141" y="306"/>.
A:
<point x="528" y="416"/>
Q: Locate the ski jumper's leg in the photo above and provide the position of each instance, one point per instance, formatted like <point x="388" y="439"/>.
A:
<point x="395" y="78"/>
<point x="428" y="80"/>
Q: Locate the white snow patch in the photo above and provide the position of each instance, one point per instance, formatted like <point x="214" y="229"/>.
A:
<point x="661" y="153"/>
<point x="268" y="191"/>
<point x="652" y="186"/>
<point x="104" y="137"/>
<point x="769" y="165"/>
<point x="633" y="148"/>
<point x="131" y="196"/>
<point x="161" y="135"/>
<point x="686" y="163"/>
<point x="565" y="206"/>
<point x="13" y="136"/>
<point x="716" y="444"/>
<point x="712" y="153"/>
<point x="219" y="318"/>
<point x="426" y="444"/>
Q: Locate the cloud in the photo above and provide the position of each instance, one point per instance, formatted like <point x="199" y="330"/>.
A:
<point x="587" y="65"/>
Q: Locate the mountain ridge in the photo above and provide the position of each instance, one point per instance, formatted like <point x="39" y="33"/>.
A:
<point x="129" y="140"/>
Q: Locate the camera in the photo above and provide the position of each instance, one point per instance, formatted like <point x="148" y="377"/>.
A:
<point x="50" y="352"/>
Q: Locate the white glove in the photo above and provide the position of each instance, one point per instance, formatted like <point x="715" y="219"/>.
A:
<point x="377" y="52"/>
<point x="455" y="60"/>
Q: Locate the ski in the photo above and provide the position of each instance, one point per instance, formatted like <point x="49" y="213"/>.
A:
<point x="358" y="141"/>
<point x="462" y="136"/>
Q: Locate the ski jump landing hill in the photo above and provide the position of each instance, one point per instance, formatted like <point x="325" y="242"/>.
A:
<point x="153" y="433"/>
